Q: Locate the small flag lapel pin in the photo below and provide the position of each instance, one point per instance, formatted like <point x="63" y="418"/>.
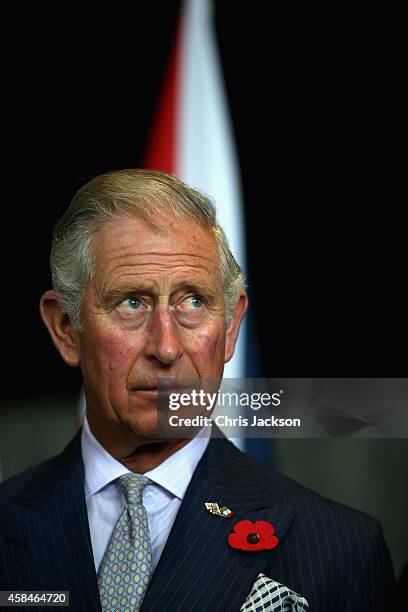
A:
<point x="214" y="508"/>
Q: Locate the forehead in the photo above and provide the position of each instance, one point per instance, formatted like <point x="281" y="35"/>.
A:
<point x="129" y="246"/>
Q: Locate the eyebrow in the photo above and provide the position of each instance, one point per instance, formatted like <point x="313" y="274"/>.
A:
<point x="112" y="296"/>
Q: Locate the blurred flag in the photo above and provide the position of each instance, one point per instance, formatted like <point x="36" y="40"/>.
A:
<point x="192" y="138"/>
<point x="192" y="135"/>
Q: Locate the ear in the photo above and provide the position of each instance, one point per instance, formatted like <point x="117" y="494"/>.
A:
<point x="62" y="332"/>
<point x="232" y="331"/>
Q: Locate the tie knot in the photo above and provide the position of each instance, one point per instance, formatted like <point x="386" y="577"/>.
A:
<point x="133" y="486"/>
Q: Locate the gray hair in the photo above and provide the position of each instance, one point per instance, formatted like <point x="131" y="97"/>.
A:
<point x="148" y="195"/>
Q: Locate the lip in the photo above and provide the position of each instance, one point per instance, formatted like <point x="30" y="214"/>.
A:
<point x="146" y="396"/>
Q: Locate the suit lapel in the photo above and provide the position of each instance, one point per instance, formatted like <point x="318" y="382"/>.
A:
<point x="48" y="541"/>
<point x="198" y="570"/>
<point x="51" y="532"/>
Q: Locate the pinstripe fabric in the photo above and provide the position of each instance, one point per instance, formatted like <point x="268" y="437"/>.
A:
<point x="332" y="555"/>
<point x="45" y="541"/>
<point x="162" y="499"/>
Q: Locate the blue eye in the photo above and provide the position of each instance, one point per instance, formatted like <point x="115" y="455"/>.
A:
<point x="194" y="302"/>
<point x="133" y="303"/>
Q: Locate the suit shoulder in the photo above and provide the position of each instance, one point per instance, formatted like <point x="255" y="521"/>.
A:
<point x="27" y="483"/>
<point x="11" y="488"/>
<point x="341" y="545"/>
<point x="313" y="505"/>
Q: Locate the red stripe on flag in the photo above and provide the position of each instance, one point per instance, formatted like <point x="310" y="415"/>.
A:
<point x="162" y="147"/>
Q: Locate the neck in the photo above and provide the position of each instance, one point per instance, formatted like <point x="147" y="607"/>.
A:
<point x="138" y="454"/>
<point x="148" y="456"/>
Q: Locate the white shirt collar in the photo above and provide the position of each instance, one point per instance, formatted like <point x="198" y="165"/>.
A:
<point x="174" y="474"/>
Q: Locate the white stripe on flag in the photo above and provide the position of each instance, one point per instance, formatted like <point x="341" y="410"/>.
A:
<point x="206" y="155"/>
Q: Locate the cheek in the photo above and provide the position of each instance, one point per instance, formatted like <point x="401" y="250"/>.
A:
<point x="207" y="348"/>
<point x="110" y="352"/>
<point x="120" y="357"/>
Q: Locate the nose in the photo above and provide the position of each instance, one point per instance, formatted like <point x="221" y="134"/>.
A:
<point x="163" y="344"/>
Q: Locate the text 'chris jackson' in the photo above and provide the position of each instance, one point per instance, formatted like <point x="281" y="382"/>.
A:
<point x="225" y="421"/>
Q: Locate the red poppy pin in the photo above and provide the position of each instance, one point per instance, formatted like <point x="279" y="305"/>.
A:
<point x="253" y="536"/>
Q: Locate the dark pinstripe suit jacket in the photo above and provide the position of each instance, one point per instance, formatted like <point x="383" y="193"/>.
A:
<point x="332" y="555"/>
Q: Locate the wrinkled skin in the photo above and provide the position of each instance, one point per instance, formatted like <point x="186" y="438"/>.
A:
<point x="154" y="309"/>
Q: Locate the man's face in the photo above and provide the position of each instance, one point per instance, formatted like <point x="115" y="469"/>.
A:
<point x="155" y="309"/>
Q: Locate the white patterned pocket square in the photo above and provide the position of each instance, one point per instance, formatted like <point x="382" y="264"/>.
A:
<point x="267" y="595"/>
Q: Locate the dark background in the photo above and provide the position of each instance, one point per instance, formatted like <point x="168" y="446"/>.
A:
<point x="316" y="100"/>
<point x="311" y="97"/>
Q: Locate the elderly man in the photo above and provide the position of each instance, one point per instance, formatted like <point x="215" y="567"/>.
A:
<point x="146" y="288"/>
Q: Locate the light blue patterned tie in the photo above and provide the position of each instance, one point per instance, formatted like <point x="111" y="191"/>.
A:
<point x="126" y="567"/>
